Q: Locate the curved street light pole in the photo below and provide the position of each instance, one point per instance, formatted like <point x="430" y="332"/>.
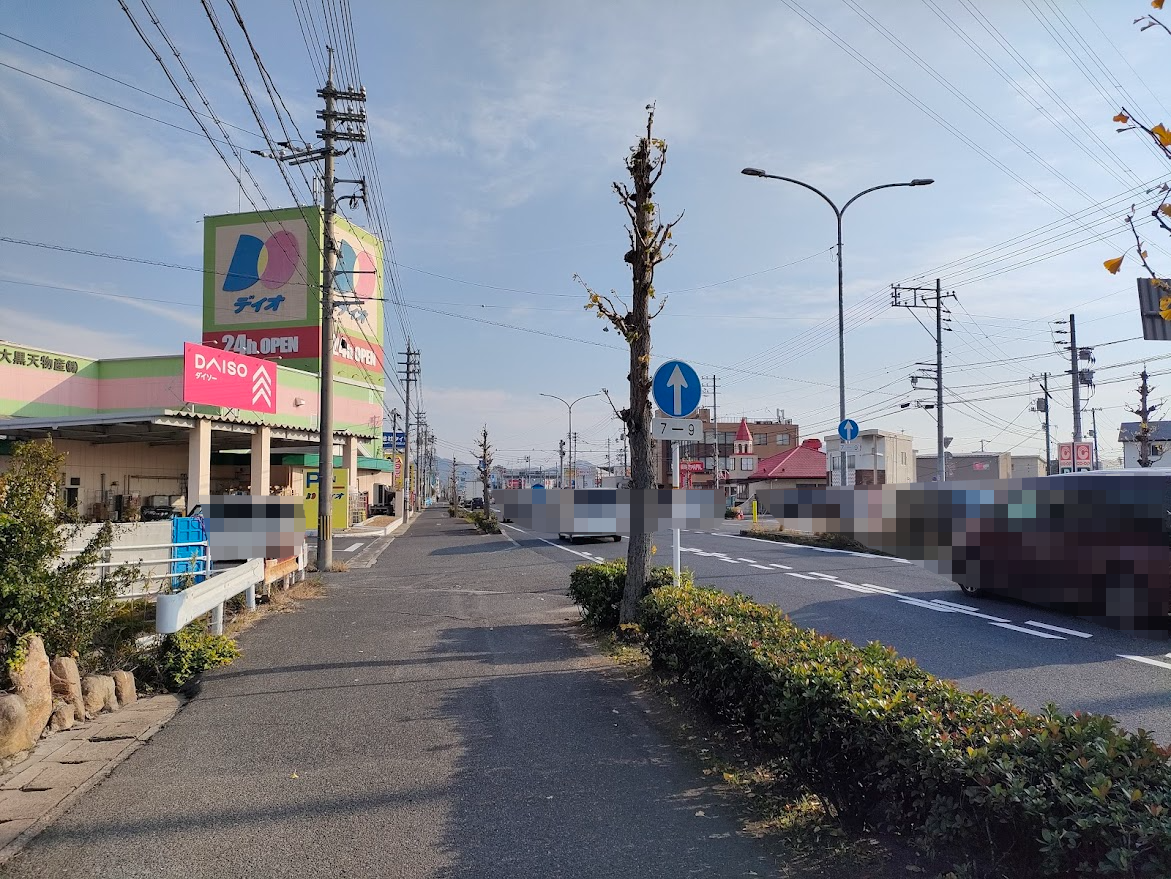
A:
<point x="569" y="406"/>
<point x="838" y="212"/>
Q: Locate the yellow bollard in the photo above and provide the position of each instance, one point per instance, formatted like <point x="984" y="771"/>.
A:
<point x="754" y="511"/>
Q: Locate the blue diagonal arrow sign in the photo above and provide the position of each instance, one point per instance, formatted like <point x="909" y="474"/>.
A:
<point x="676" y="389"/>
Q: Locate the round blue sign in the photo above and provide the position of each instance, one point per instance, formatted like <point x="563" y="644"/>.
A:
<point x="848" y="429"/>
<point x="676" y="389"/>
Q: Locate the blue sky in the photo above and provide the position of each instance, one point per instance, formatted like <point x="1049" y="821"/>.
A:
<point x="497" y="129"/>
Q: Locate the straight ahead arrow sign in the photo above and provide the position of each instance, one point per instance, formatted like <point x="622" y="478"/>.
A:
<point x="262" y="390"/>
<point x="677" y="383"/>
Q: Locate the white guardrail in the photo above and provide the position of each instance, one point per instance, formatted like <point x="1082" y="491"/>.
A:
<point x="174" y="611"/>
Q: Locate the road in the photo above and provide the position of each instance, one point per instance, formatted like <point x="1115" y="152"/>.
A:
<point x="1033" y="655"/>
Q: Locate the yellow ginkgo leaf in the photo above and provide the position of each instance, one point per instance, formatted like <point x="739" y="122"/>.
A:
<point x="1114" y="265"/>
<point x="1122" y="118"/>
<point x="1157" y="4"/>
<point x="1165" y="308"/>
<point x="1161" y="132"/>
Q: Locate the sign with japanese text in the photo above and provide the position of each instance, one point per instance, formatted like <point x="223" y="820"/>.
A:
<point x="219" y="378"/>
<point x="1065" y="457"/>
<point x="1083" y="456"/>
<point x="286" y="343"/>
<point x="340" y="508"/>
<point x="33" y="359"/>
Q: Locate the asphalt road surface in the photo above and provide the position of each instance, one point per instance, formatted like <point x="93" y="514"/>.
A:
<point x="1033" y="655"/>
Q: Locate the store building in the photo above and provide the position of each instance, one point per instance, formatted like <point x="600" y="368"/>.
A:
<point x="141" y="428"/>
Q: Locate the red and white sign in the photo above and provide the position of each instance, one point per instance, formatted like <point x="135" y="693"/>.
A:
<point x="691" y="467"/>
<point x="290" y="343"/>
<point x="1065" y="454"/>
<point x="218" y="378"/>
<point x="1083" y="456"/>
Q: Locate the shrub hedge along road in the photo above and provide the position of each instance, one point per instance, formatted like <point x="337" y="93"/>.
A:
<point x="893" y="747"/>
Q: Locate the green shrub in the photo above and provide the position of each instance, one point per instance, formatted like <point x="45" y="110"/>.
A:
<point x="190" y="652"/>
<point x="891" y="746"/>
<point x="598" y="588"/>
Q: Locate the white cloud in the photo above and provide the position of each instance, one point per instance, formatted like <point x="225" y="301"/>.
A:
<point x="70" y="338"/>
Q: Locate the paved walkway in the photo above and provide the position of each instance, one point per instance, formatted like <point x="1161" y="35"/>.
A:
<point x="433" y="716"/>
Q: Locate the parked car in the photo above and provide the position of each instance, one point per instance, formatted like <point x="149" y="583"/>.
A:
<point x="476" y="503"/>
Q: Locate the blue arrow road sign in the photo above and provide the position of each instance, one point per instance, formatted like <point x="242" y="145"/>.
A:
<point x="848" y="429"/>
<point x="676" y="389"/>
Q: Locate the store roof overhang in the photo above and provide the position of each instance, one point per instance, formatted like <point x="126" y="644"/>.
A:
<point x="157" y="427"/>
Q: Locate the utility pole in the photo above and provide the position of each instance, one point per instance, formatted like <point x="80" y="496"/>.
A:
<point x="561" y="469"/>
<point x="410" y="372"/>
<point x="1048" y="448"/>
<point x="351" y="122"/>
<point x="917" y="300"/>
<point x="1076" y="375"/>
<point x="573" y="460"/>
<point x="716" y="427"/>
<point x="418" y="453"/>
<point x="1094" y="430"/>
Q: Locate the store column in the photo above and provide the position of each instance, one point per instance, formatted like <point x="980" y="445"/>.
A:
<point x="199" y="463"/>
<point x="262" y="461"/>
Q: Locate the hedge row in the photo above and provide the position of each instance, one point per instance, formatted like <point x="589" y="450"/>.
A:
<point x="893" y="747"/>
<point x="598" y="589"/>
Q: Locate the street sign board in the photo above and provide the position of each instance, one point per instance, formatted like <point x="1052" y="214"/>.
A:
<point x="691" y="466"/>
<point x="677" y="429"/>
<point x="848" y="429"/>
<point x="1065" y="457"/>
<point x="854" y="448"/>
<point x="676" y="389"/>
<point x="394" y="440"/>
<point x="1083" y="456"/>
<point x="220" y="378"/>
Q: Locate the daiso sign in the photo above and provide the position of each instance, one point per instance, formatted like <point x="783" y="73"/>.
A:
<point x="220" y="378"/>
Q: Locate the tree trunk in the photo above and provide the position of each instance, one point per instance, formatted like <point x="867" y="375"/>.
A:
<point x="642" y="258"/>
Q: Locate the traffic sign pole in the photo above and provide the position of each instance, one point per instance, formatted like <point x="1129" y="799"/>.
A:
<point x="675" y="550"/>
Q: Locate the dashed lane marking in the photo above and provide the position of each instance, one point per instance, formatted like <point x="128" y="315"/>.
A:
<point x="782" y="567"/>
<point x="1073" y="632"/>
<point x="1033" y="632"/>
<point x="802" y="576"/>
<point x="1145" y="659"/>
<point x="761" y="567"/>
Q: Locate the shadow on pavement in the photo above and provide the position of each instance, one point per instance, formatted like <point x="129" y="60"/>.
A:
<point x="561" y="774"/>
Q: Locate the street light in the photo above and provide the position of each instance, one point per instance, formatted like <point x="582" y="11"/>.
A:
<point x="570" y="406"/>
<point x="918" y="181"/>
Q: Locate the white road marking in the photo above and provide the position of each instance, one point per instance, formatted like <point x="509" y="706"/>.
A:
<point x="970" y="611"/>
<point x="1073" y="632"/>
<point x="761" y="567"/>
<point x="855" y="588"/>
<point x="1028" y="631"/>
<point x="953" y="604"/>
<point x="749" y="561"/>
<point x="352" y="548"/>
<point x="1147" y="660"/>
<point x="728" y="560"/>
<point x="802" y="576"/>
<point x="513" y="527"/>
<point x="580" y="555"/>
<point x="822" y="576"/>
<point x="782" y="567"/>
<point x="919" y="602"/>
<point x="885" y="589"/>
<point x="865" y="555"/>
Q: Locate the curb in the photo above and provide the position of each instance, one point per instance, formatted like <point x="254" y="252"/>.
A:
<point x="40" y="824"/>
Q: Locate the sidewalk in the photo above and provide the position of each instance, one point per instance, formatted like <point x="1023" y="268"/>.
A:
<point x="434" y="715"/>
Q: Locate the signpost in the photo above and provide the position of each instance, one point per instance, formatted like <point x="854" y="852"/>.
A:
<point x="1065" y="457"/>
<point x="676" y="390"/>
<point x="1083" y="457"/>
<point x="848" y="432"/>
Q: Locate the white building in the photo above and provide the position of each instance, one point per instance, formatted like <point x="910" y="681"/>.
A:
<point x="883" y="457"/>
<point x="1160" y="444"/>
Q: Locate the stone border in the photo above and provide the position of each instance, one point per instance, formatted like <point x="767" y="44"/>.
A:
<point x="108" y="729"/>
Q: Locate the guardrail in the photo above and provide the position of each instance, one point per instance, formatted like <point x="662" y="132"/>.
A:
<point x="174" y="611"/>
<point x="178" y="565"/>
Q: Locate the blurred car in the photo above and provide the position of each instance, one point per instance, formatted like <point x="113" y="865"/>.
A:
<point x="476" y="503"/>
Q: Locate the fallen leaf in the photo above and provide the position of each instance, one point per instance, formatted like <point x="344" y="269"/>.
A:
<point x="699" y="814"/>
<point x="1114" y="265"/>
<point x="294" y="775"/>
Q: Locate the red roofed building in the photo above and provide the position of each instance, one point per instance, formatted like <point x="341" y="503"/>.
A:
<point x="801" y="467"/>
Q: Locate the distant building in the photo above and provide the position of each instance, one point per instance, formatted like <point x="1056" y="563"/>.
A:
<point x="1027" y="466"/>
<point x="802" y="467"/>
<point x="971" y="467"/>
<point x="1160" y="443"/>
<point x="885" y="458"/>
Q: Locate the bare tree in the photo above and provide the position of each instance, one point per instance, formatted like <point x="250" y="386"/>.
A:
<point x="484" y="452"/>
<point x="649" y="246"/>
<point x="1149" y="452"/>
